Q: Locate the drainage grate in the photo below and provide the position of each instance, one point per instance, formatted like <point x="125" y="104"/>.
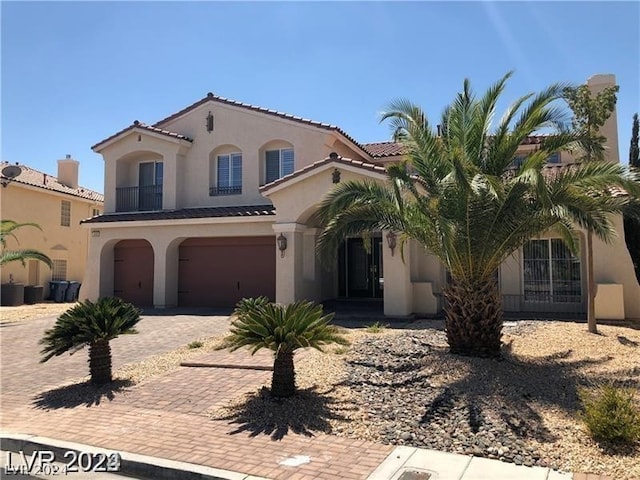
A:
<point x="414" y="475"/>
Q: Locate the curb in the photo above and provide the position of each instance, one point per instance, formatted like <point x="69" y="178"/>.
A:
<point x="132" y="464"/>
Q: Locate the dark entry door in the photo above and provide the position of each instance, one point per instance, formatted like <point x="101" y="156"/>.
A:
<point x="133" y="272"/>
<point x="361" y="270"/>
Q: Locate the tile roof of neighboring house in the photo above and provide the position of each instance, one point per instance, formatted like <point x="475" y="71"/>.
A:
<point x="185" y="213"/>
<point x="371" y="167"/>
<point x="384" y="149"/>
<point x="144" y="126"/>
<point x="36" y="178"/>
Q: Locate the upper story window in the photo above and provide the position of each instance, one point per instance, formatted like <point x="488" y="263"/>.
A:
<point x="278" y="163"/>
<point x="228" y="175"/>
<point x="96" y="212"/>
<point x="555" y="158"/>
<point x="65" y="213"/>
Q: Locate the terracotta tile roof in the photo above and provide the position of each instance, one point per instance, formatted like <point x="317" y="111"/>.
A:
<point x="185" y="213"/>
<point x="36" y="178"/>
<point x="392" y="149"/>
<point x="143" y="126"/>
<point x="212" y="97"/>
<point x="371" y="167"/>
<point x="384" y="149"/>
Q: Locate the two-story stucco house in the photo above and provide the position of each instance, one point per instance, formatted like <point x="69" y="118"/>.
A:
<point x="57" y="204"/>
<point x="214" y="203"/>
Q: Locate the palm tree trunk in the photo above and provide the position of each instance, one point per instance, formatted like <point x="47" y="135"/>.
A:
<point x="283" y="381"/>
<point x="100" y="362"/>
<point x="473" y="314"/>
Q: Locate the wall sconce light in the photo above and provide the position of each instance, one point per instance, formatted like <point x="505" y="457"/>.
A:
<point x="391" y="241"/>
<point x="210" y="122"/>
<point x="335" y="176"/>
<point x="282" y="244"/>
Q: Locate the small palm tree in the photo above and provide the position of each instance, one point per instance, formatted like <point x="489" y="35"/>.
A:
<point x="7" y="227"/>
<point x="282" y="329"/>
<point x="93" y="324"/>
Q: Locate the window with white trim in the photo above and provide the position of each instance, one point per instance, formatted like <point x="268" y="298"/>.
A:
<point x="278" y="163"/>
<point x="228" y="175"/>
<point x="551" y="272"/>
<point x="65" y="213"/>
<point x="59" y="270"/>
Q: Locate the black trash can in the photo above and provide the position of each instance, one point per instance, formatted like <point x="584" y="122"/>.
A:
<point x="57" y="291"/>
<point x="33" y="294"/>
<point x="12" y="294"/>
<point x="71" y="295"/>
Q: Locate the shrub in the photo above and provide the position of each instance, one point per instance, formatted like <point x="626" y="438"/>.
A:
<point x="376" y="327"/>
<point x="610" y="414"/>
<point x="195" y="344"/>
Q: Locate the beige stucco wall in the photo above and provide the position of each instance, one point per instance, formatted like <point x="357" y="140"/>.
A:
<point x="32" y="204"/>
<point x="251" y="133"/>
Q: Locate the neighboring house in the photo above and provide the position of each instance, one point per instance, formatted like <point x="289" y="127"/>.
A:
<point x="200" y="207"/>
<point x="57" y="204"/>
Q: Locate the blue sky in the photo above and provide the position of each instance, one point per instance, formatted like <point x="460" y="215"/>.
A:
<point x="73" y="73"/>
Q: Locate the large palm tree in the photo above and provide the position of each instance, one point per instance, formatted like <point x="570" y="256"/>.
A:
<point x="282" y="329"/>
<point x="7" y="229"/>
<point x="460" y="195"/>
<point x="95" y="325"/>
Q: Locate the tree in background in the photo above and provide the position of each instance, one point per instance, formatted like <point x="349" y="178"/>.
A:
<point x="7" y="229"/>
<point x="590" y="112"/>
<point x="632" y="225"/>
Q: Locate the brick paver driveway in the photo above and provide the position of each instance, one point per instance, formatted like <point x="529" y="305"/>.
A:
<point x="166" y="416"/>
<point x="23" y="374"/>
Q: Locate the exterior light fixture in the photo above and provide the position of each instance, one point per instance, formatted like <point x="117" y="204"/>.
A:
<point x="282" y="244"/>
<point x="210" y="122"/>
<point x="335" y="176"/>
<point x="391" y="241"/>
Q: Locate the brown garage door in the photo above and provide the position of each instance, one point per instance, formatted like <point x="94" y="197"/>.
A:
<point x="217" y="272"/>
<point x="133" y="272"/>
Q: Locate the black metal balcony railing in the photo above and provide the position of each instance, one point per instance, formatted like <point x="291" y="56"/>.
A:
<point x="139" y="199"/>
<point x="217" y="191"/>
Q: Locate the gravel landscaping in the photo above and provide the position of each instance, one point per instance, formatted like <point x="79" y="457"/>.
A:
<point x="402" y="387"/>
<point x="32" y="312"/>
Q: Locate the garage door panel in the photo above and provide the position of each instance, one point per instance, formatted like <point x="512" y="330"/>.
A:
<point x="219" y="272"/>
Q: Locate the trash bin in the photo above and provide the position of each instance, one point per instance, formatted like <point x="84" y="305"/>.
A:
<point x="71" y="295"/>
<point x="33" y="294"/>
<point x="57" y="291"/>
<point x="12" y="294"/>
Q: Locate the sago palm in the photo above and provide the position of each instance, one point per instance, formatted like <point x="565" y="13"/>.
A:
<point x="460" y="196"/>
<point x="7" y="229"/>
<point x="95" y="325"/>
<point x="282" y="329"/>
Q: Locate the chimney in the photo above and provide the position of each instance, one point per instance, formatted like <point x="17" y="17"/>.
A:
<point x="68" y="172"/>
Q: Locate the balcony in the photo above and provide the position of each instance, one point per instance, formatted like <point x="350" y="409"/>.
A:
<point x="219" y="191"/>
<point x="139" y="199"/>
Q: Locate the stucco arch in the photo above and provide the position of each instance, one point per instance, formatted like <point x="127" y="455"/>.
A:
<point x="127" y="165"/>
<point x="275" y="144"/>
<point x="213" y="164"/>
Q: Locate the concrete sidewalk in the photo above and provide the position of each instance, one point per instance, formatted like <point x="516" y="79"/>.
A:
<point x="403" y="463"/>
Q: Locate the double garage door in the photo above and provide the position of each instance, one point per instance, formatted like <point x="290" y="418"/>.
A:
<point x="217" y="272"/>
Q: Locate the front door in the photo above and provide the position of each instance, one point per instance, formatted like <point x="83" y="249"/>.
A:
<point x="360" y="270"/>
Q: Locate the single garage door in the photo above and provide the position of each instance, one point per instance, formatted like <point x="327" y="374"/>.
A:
<point x="217" y="272"/>
<point x="133" y="272"/>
